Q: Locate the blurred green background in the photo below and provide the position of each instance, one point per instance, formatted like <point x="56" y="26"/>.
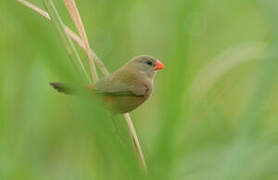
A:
<point x="213" y="115"/>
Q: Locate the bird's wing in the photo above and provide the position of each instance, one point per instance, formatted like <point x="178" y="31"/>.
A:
<point x="120" y="86"/>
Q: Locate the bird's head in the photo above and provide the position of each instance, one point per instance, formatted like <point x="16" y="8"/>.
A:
<point x="146" y="64"/>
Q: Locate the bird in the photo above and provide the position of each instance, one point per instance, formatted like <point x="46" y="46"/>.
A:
<point x="125" y="89"/>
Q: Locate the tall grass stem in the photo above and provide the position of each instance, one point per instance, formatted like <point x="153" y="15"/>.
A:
<point x="67" y="33"/>
<point x="68" y="44"/>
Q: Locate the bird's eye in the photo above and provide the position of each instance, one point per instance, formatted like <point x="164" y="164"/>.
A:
<point x="149" y="63"/>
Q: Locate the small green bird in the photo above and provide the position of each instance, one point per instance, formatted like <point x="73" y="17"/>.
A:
<point x="126" y="88"/>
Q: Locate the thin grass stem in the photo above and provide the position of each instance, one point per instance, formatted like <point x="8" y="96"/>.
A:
<point x="70" y="33"/>
<point x="73" y="11"/>
<point x="136" y="143"/>
<point x="68" y="44"/>
<point x="66" y="32"/>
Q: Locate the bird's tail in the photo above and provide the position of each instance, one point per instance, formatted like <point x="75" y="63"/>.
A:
<point x="61" y="87"/>
<point x="67" y="89"/>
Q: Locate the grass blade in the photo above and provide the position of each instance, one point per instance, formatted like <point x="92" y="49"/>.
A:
<point x="222" y="63"/>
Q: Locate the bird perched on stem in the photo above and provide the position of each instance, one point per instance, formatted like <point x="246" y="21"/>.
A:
<point x="126" y="88"/>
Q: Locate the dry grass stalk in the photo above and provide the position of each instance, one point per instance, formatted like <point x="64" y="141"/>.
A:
<point x="135" y="141"/>
<point x="66" y="40"/>
<point x="35" y="8"/>
<point x="72" y="35"/>
<point x="72" y="8"/>
<point x="103" y="69"/>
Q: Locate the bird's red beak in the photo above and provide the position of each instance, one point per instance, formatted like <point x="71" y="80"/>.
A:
<point x="159" y="65"/>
